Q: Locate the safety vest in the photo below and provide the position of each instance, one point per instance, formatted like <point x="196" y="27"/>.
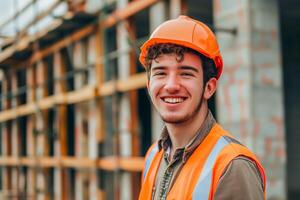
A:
<point x="199" y="177"/>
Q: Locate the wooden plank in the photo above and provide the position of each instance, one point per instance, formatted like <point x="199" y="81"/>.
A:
<point x="84" y="94"/>
<point x="96" y="46"/>
<point x="78" y="79"/>
<point x="41" y="79"/>
<point x="60" y="145"/>
<point x="83" y="163"/>
<point x="96" y="77"/>
<point x="42" y="145"/>
<point x="98" y="50"/>
<point x="133" y="164"/>
<point x="80" y="134"/>
<point x="15" y="137"/>
<point x="31" y="173"/>
<point x="10" y="161"/>
<point x="5" y="138"/>
<point x="134" y="82"/>
<point x="133" y="101"/>
<point x="94" y="117"/>
<point x="122" y="187"/>
<point x="30" y="162"/>
<point x="6" y="171"/>
<point x="109" y="163"/>
<point x="157" y="16"/>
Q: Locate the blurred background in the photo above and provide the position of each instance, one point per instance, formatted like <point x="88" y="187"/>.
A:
<point x="76" y="121"/>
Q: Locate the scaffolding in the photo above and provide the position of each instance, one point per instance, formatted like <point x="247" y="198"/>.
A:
<point x="70" y="120"/>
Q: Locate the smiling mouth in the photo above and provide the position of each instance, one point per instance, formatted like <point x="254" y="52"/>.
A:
<point x="173" y="100"/>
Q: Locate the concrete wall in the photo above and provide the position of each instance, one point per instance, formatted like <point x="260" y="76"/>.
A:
<point x="249" y="98"/>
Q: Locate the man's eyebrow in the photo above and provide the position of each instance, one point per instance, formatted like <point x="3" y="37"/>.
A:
<point x="189" y="68"/>
<point x="181" y="68"/>
<point x="158" y="68"/>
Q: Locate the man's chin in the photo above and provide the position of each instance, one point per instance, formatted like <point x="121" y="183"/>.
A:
<point x="174" y="119"/>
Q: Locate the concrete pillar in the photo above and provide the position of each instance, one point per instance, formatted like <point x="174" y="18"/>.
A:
<point x="249" y="97"/>
<point x="31" y="123"/>
<point x="5" y="139"/>
<point x="61" y="189"/>
<point x="157" y="16"/>
<point x="94" y="123"/>
<point x="124" y="106"/>
<point x="79" y="61"/>
<point x="15" y="142"/>
<point x="41" y="125"/>
<point x="96" y="118"/>
<point x="175" y="8"/>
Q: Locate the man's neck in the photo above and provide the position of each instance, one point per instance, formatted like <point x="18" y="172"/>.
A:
<point x="181" y="134"/>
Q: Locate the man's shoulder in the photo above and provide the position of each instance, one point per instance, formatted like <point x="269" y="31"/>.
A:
<point x="242" y="178"/>
<point x="242" y="165"/>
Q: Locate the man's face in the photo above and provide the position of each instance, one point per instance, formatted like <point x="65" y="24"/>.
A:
<point x="176" y="88"/>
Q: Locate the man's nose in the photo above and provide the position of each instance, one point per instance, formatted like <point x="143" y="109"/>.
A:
<point x="172" y="84"/>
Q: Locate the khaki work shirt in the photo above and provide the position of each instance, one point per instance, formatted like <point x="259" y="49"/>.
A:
<point x="240" y="181"/>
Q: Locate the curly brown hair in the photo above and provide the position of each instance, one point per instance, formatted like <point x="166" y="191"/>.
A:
<point x="154" y="51"/>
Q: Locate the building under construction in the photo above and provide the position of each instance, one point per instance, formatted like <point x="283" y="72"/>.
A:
<point x="75" y="118"/>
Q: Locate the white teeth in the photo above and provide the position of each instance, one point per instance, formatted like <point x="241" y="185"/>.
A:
<point x="173" y="100"/>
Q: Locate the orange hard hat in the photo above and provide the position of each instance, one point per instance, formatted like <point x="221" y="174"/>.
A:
<point x="186" y="32"/>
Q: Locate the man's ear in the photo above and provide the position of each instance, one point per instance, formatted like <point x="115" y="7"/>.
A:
<point x="210" y="88"/>
<point x="148" y="79"/>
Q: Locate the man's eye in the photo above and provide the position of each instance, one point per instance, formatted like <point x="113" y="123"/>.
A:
<point x="159" y="74"/>
<point x="186" y="74"/>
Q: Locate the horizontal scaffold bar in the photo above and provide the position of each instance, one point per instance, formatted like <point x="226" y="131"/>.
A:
<point x="134" y="82"/>
<point x="108" y="163"/>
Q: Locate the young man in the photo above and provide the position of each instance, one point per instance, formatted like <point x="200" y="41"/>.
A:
<point x="194" y="157"/>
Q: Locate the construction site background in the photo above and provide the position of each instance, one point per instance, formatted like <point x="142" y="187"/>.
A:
<point x="75" y="117"/>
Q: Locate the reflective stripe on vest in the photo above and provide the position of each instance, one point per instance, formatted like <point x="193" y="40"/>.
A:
<point x="149" y="159"/>
<point x="202" y="189"/>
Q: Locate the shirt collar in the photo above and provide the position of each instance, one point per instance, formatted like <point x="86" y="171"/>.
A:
<point x="165" y="143"/>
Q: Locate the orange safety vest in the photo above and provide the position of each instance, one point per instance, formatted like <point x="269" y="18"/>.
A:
<point x="199" y="177"/>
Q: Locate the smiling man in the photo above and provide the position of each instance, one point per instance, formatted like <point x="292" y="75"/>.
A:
<point x="195" y="158"/>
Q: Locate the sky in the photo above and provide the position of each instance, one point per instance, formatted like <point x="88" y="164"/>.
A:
<point x="9" y="7"/>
